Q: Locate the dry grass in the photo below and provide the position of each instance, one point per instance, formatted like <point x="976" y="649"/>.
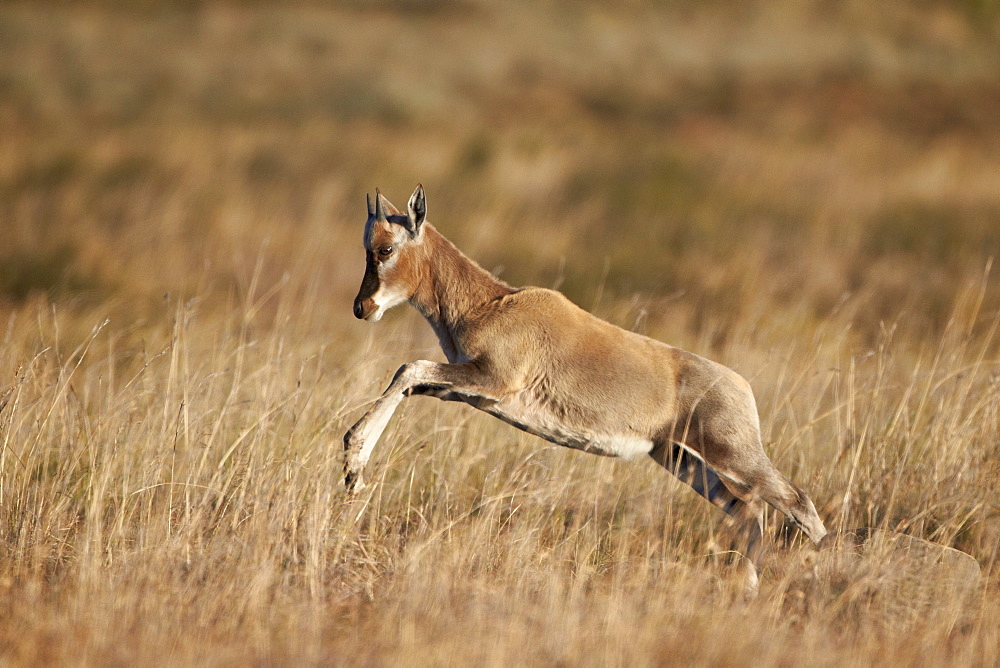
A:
<point x="806" y="192"/>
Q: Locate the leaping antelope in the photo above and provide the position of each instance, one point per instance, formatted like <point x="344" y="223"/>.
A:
<point x="532" y="358"/>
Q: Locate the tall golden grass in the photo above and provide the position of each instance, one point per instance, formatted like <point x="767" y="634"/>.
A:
<point x="805" y="192"/>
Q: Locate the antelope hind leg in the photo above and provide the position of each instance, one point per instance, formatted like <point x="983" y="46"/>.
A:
<point x="746" y="512"/>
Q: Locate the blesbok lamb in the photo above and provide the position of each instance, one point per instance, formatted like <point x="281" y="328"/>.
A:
<point x="532" y="358"/>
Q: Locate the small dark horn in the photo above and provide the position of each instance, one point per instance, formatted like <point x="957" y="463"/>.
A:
<point x="371" y="207"/>
<point x="379" y="211"/>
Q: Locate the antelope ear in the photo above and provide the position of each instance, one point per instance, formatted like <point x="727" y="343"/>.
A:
<point x="371" y="206"/>
<point x="416" y="210"/>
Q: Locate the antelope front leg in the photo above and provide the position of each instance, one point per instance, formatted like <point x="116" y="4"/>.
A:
<point x="361" y="438"/>
<point x="419" y="377"/>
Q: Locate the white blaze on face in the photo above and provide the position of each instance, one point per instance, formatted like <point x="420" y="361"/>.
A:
<point x="387" y="295"/>
<point x="385" y="299"/>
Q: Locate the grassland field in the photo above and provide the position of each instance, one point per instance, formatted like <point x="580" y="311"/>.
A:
<point x="808" y="192"/>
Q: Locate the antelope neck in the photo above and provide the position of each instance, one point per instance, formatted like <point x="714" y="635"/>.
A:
<point x="452" y="286"/>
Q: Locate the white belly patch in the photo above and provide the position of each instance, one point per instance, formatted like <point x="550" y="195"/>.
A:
<point x="541" y="423"/>
<point x="626" y="447"/>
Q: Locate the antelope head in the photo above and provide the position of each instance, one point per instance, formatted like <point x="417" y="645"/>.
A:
<point x="393" y="244"/>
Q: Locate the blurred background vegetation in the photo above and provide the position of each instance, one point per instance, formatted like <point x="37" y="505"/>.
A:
<point x="689" y="158"/>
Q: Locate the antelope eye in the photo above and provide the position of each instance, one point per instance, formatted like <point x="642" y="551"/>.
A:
<point x="385" y="251"/>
